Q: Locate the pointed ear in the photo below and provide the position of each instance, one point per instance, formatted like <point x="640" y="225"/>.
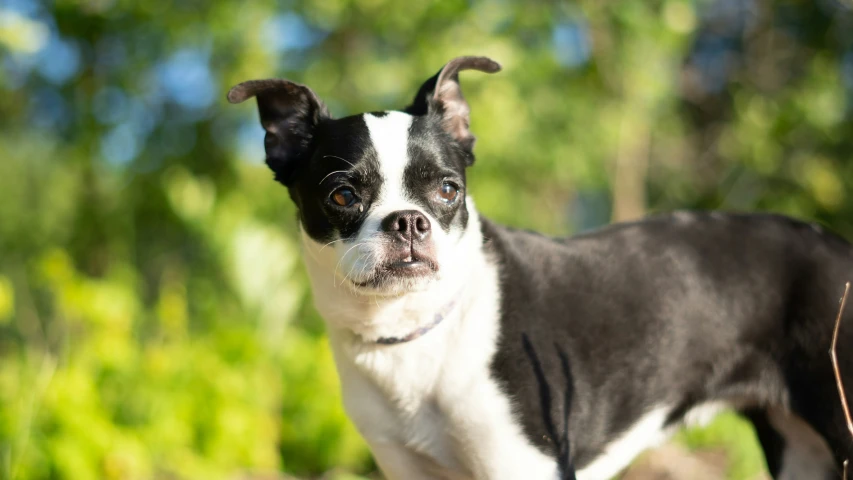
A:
<point x="289" y="113"/>
<point x="442" y="95"/>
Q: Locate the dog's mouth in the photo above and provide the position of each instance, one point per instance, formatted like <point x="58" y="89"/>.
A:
<point x="411" y="268"/>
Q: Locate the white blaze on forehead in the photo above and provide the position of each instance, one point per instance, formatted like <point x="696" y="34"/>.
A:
<point x="390" y="137"/>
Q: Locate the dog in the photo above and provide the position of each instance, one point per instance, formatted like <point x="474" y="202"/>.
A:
<point x="469" y="350"/>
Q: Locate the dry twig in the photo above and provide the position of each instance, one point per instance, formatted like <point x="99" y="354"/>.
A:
<point x="834" y="359"/>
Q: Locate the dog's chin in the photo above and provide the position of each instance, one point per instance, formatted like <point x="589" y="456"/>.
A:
<point x="397" y="279"/>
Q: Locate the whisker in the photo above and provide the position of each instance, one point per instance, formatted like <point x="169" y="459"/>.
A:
<point x="348" y="274"/>
<point x="330" y="174"/>
<point x="339" y="158"/>
<point x="363" y="266"/>
<point x="333" y="241"/>
<point x="335" y="272"/>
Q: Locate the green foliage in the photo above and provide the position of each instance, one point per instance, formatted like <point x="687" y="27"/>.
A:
<point x="120" y="403"/>
<point x="155" y="320"/>
<point x="731" y="432"/>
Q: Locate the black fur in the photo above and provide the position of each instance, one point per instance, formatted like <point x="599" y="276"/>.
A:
<point x="435" y="159"/>
<point x="289" y="113"/>
<point x="343" y="157"/>
<point x="674" y="310"/>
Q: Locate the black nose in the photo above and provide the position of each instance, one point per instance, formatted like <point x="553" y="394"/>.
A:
<point x="407" y="224"/>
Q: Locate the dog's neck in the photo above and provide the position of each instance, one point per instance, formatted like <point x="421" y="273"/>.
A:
<point x="370" y="318"/>
<point x="438" y="318"/>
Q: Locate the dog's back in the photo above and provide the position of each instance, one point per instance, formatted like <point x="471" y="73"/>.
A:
<point x="636" y="326"/>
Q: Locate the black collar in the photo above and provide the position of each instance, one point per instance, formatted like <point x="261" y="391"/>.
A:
<point x="423" y="330"/>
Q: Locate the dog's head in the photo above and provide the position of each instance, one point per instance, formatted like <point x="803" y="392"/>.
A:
<point x="381" y="196"/>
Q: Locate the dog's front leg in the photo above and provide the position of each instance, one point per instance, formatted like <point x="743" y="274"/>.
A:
<point x="493" y="445"/>
<point x="375" y="418"/>
<point x="400" y="463"/>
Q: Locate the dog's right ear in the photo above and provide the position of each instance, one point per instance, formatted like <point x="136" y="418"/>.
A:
<point x="289" y="113"/>
<point x="441" y="95"/>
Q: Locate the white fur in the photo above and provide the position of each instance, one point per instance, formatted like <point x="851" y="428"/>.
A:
<point x="702" y="415"/>
<point x="648" y="431"/>
<point x="390" y="136"/>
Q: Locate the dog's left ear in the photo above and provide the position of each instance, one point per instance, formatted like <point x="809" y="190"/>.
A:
<point x="442" y="96"/>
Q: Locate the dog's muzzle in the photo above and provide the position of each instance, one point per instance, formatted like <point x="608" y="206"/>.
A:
<point x="410" y="251"/>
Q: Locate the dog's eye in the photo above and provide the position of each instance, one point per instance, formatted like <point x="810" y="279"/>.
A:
<point x="448" y="192"/>
<point x="343" y="197"/>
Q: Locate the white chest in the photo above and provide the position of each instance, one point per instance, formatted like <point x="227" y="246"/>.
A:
<point x="434" y="402"/>
<point x="406" y="393"/>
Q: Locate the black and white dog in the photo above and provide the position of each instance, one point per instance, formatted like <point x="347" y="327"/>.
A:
<point x="468" y="350"/>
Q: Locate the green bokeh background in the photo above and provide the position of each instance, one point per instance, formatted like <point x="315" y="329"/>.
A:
<point x="155" y="320"/>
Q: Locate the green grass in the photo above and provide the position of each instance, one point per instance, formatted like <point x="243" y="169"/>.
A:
<point x="736" y="436"/>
